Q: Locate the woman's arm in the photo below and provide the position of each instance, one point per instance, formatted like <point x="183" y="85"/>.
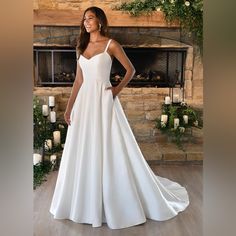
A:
<point x="75" y="89"/>
<point x="117" y="51"/>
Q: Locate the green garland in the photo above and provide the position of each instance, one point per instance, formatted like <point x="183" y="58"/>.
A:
<point x="188" y="13"/>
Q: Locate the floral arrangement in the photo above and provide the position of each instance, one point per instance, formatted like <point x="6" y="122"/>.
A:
<point x="188" y="13"/>
<point x="176" y="119"/>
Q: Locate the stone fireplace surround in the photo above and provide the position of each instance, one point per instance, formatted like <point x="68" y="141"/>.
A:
<point x="141" y="105"/>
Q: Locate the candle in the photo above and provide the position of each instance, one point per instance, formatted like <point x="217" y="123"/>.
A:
<point x="53" y="116"/>
<point x="167" y="100"/>
<point x="57" y="137"/>
<point x="164" y="119"/>
<point x="176" y="98"/>
<point x="53" y="158"/>
<point x="51" y="101"/>
<point x="185" y="117"/>
<point x="45" y="110"/>
<point x="176" y="122"/>
<point x="37" y="158"/>
<point x="48" y="144"/>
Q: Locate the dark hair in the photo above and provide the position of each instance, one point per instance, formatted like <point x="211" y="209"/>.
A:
<point x="84" y="36"/>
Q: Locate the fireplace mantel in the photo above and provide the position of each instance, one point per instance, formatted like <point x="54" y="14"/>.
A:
<point x="46" y="17"/>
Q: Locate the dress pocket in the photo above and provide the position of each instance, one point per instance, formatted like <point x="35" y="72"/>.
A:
<point x="110" y="92"/>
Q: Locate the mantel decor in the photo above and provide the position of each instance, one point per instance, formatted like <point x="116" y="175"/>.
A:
<point x="188" y="13"/>
<point x="177" y="120"/>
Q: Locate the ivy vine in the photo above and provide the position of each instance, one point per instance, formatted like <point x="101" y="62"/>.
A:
<point x="188" y="13"/>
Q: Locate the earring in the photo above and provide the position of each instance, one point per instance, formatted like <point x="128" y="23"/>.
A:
<point x="100" y="26"/>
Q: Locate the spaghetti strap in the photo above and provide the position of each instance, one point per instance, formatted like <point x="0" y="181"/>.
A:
<point x="107" y="45"/>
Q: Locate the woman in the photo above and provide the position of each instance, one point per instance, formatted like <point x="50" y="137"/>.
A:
<point x="103" y="176"/>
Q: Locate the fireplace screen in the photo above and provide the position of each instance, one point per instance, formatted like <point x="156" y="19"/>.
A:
<point x="55" y="67"/>
<point x="155" y="67"/>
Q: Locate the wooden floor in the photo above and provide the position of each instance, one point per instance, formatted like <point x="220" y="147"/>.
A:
<point x="187" y="223"/>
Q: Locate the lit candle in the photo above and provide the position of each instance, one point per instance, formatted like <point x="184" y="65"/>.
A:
<point x="51" y="101"/>
<point x="53" y="116"/>
<point x="48" y="144"/>
<point x="167" y="100"/>
<point x="37" y="158"/>
<point x="176" y="122"/>
<point x="176" y="98"/>
<point x="57" y="137"/>
<point x="185" y="117"/>
<point x="53" y="158"/>
<point x="164" y="118"/>
<point x="45" y="110"/>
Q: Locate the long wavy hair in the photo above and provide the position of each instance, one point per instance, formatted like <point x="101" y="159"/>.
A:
<point x="84" y="36"/>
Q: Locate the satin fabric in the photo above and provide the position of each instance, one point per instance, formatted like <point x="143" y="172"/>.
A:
<point x="103" y="176"/>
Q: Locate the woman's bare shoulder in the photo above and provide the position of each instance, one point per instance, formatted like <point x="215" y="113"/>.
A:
<point x="114" y="45"/>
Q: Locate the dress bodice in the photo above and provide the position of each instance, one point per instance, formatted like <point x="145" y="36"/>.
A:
<point x="97" y="67"/>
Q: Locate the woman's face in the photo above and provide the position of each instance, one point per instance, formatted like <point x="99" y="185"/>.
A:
<point x="91" y="22"/>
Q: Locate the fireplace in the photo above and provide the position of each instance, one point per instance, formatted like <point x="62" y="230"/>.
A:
<point x="155" y="67"/>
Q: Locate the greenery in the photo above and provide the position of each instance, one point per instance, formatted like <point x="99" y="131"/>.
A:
<point x="43" y="129"/>
<point x="178" y="111"/>
<point x="40" y="172"/>
<point x="188" y="13"/>
<point x="41" y="125"/>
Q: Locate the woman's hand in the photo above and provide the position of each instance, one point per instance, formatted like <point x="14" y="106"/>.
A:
<point x="67" y="117"/>
<point x="114" y="91"/>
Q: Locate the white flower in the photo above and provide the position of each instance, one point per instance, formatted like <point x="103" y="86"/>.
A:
<point x="163" y="125"/>
<point x="181" y="129"/>
<point x="158" y="9"/>
<point x="162" y="1"/>
<point x="61" y="126"/>
<point x="187" y="3"/>
<point x="34" y="106"/>
<point x="39" y="122"/>
<point x="172" y="1"/>
<point x="195" y="122"/>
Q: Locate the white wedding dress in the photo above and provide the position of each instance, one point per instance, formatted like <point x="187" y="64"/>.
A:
<point x="103" y="176"/>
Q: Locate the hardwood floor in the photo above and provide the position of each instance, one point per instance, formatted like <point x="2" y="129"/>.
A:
<point x="187" y="223"/>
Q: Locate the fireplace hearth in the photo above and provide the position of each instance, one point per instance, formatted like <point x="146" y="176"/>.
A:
<point x="155" y="67"/>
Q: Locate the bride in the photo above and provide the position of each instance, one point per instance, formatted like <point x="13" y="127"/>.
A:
<point x="103" y="176"/>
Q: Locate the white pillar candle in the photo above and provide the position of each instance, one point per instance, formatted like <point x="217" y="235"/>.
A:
<point x="45" y="110"/>
<point x="167" y="100"/>
<point x="185" y="117"/>
<point x="56" y="137"/>
<point x="176" y="122"/>
<point x="53" y="116"/>
<point x="164" y="118"/>
<point x="176" y="98"/>
<point x="37" y="158"/>
<point x="53" y="158"/>
<point x="51" y="101"/>
<point x="48" y="144"/>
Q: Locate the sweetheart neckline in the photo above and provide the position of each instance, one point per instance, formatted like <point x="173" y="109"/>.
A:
<point x="88" y="59"/>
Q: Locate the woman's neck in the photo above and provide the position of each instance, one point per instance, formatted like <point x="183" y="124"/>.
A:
<point x="95" y="37"/>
